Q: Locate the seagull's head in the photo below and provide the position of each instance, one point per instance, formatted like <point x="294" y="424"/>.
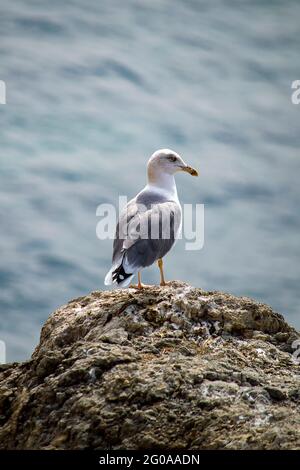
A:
<point x="169" y="162"/>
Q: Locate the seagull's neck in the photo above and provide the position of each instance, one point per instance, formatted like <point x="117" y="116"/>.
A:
<point x="163" y="183"/>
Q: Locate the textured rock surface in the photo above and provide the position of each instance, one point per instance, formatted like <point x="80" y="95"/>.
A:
<point x="172" y="367"/>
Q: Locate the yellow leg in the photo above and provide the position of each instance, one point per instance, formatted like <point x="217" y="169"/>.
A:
<point x="139" y="280"/>
<point x="139" y="285"/>
<point x="161" y="269"/>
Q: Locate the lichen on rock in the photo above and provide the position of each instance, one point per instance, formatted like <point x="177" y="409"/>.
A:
<point x="166" y="367"/>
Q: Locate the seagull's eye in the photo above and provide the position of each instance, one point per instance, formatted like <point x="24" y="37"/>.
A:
<point x="172" y="158"/>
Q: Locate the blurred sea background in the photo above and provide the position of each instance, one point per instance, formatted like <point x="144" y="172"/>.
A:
<point x="93" y="88"/>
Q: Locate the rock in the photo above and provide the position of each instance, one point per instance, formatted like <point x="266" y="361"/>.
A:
<point x="166" y="367"/>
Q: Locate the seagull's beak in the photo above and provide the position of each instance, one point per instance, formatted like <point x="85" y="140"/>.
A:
<point x="190" y="170"/>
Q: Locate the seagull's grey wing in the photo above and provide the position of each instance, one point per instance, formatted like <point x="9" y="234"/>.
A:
<point x="130" y="214"/>
<point x="158" y="228"/>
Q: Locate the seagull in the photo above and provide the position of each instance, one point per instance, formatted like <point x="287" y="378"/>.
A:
<point x="150" y="224"/>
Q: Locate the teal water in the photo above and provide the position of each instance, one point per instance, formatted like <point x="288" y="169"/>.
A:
<point x="93" y="88"/>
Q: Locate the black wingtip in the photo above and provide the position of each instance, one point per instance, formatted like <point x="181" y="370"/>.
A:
<point x="119" y="275"/>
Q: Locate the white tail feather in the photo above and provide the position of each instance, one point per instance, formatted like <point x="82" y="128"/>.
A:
<point x="108" y="281"/>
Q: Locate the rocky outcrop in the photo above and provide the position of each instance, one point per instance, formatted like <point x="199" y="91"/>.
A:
<point x="164" y="367"/>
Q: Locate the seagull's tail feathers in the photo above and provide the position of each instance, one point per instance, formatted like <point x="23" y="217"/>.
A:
<point x="108" y="278"/>
<point x="118" y="276"/>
